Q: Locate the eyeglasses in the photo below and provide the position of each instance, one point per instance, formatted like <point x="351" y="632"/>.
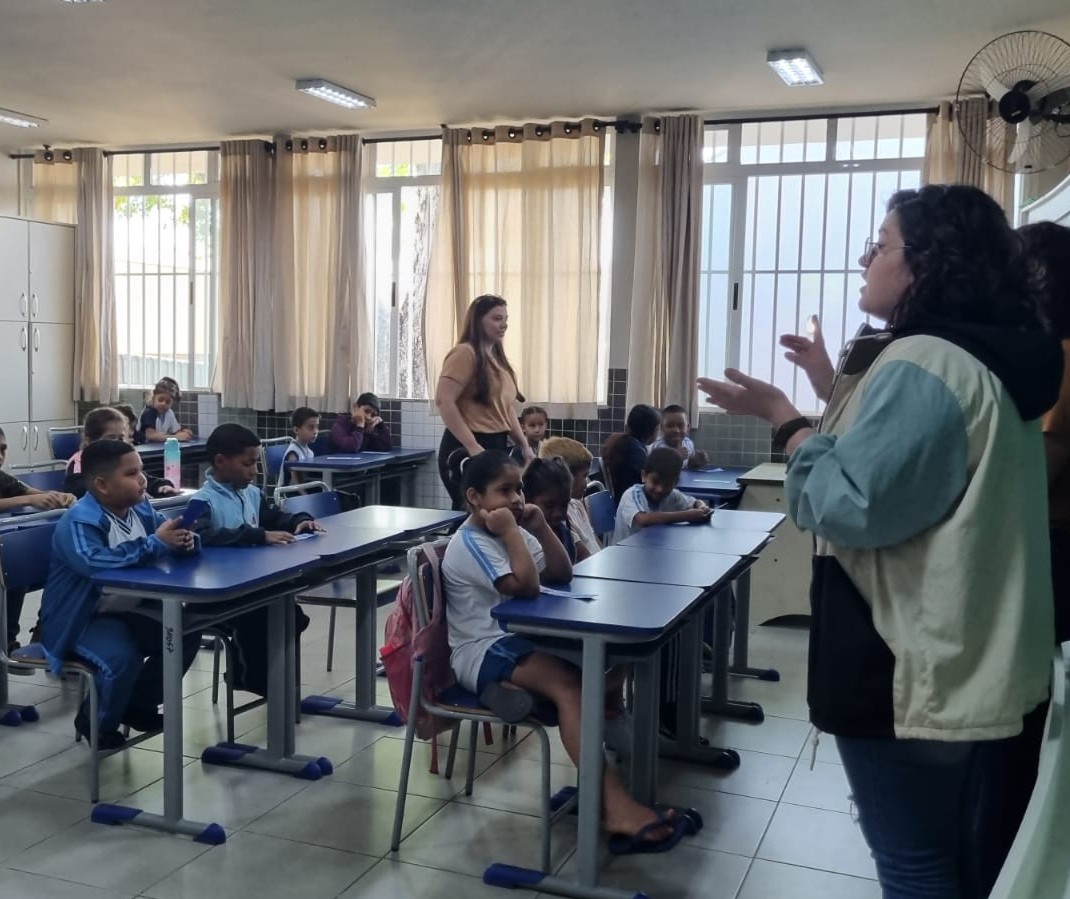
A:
<point x="874" y="247"/>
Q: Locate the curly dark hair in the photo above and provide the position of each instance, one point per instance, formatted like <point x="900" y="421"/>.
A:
<point x="967" y="262"/>
<point x="1047" y="246"/>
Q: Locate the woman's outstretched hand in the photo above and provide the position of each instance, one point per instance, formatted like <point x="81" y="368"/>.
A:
<point x="811" y="355"/>
<point x="744" y="395"/>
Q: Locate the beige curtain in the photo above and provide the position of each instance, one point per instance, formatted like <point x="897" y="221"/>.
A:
<point x="663" y="348"/>
<point x="949" y="159"/>
<point x="520" y="215"/>
<point x="296" y="328"/>
<point x="54" y="193"/>
<point x="96" y="354"/>
<point x="246" y="287"/>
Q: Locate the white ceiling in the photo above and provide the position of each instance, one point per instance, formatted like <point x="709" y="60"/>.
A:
<point x="141" y="72"/>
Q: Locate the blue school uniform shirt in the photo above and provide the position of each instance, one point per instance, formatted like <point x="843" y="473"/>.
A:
<point x="81" y="546"/>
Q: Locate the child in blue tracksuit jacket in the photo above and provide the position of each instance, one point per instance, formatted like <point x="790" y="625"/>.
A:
<point x="112" y="526"/>
<point x="239" y="515"/>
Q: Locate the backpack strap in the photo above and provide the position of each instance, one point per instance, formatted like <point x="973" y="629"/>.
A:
<point x="431" y="557"/>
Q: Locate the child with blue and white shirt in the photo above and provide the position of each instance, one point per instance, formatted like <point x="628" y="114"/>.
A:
<point x="504" y="550"/>
<point x="655" y="500"/>
<point x="306" y="428"/>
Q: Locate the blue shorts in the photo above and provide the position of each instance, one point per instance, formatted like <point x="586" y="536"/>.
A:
<point x="501" y="659"/>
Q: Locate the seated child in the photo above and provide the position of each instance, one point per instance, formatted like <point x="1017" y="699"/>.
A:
<point x="362" y="428"/>
<point x="656" y="500"/>
<point x="112" y="526"/>
<point x="239" y="515"/>
<point x="158" y="421"/>
<point x="306" y="428"/>
<point x="548" y="484"/>
<point x="578" y="459"/>
<point x="14" y="495"/>
<point x="533" y="421"/>
<point x="674" y="435"/>
<point x="506" y="549"/>
<point x="624" y="454"/>
<point x="108" y="423"/>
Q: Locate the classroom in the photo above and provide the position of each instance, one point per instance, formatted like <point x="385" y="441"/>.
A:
<point x="616" y="449"/>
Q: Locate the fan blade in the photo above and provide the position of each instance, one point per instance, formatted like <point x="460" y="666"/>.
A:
<point x="1048" y="88"/>
<point x="1022" y="137"/>
<point x="993" y="86"/>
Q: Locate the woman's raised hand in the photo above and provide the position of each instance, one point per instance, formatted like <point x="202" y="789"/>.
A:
<point x="810" y="354"/>
<point x="744" y="395"/>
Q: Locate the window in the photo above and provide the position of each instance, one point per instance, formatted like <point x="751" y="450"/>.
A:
<point x="400" y="207"/>
<point x="166" y="273"/>
<point x="787" y="207"/>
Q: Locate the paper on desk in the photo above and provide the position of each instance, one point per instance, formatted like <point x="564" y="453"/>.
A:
<point x="305" y="535"/>
<point x="568" y="594"/>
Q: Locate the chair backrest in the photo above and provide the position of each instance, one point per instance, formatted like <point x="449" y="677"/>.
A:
<point x="318" y="505"/>
<point x="25" y="556"/>
<point x="273" y="459"/>
<point x="321" y="446"/>
<point x="426" y="581"/>
<point x="603" y="512"/>
<point x="264" y="472"/>
<point x="43" y="480"/>
<point x="64" y="442"/>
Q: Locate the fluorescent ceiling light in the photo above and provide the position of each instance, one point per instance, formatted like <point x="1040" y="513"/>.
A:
<point x="21" y="119"/>
<point x="335" y="93"/>
<point x="796" y="68"/>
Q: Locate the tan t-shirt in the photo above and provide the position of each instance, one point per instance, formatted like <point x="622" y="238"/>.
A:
<point x="1057" y="445"/>
<point x="499" y="412"/>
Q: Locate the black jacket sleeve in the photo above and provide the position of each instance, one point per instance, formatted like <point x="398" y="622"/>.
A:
<point x="274" y="519"/>
<point x="245" y="535"/>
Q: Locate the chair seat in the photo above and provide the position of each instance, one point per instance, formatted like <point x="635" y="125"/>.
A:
<point x="457" y="699"/>
<point x="33" y="656"/>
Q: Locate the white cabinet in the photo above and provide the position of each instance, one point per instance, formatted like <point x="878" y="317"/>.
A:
<point x="780" y="579"/>
<point x="14" y="269"/>
<point x="36" y="334"/>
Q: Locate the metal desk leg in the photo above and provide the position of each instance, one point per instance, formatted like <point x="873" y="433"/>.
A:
<point x="279" y="754"/>
<point x="718" y="703"/>
<point x="363" y="707"/>
<point x="644" y="758"/>
<point x="688" y="745"/>
<point x="327" y="476"/>
<point x="372" y="494"/>
<point x="740" y="668"/>
<point x="592" y="760"/>
<point x="172" y="819"/>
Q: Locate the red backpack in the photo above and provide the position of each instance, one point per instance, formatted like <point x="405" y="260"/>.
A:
<point x="406" y="640"/>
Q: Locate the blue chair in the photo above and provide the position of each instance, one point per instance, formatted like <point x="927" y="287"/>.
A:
<point x="336" y="593"/>
<point x="64" y="442"/>
<point x="321" y="446"/>
<point x="318" y="505"/>
<point x="603" y="512"/>
<point x="25" y="556"/>
<point x="269" y="461"/>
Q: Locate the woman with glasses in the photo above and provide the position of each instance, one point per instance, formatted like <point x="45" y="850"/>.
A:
<point x="924" y="488"/>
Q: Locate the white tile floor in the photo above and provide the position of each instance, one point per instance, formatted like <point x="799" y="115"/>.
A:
<point x="774" y="828"/>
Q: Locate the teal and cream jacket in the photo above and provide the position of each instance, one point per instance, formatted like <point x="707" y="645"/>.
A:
<point x="925" y="490"/>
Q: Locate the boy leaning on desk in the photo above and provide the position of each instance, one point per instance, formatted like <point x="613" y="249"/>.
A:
<point x="112" y="526"/>
<point x="238" y="514"/>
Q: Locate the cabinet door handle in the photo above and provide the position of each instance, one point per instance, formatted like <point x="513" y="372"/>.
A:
<point x="22" y="304"/>
<point x="25" y="437"/>
<point x="35" y="304"/>
<point x="22" y="339"/>
<point x="36" y="438"/>
<point x="37" y="340"/>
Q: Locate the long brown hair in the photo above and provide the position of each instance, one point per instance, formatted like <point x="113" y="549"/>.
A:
<point x="472" y="334"/>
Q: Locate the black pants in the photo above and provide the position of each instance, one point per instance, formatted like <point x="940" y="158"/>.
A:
<point x="15" y="599"/>
<point x="249" y="635"/>
<point x="450" y="443"/>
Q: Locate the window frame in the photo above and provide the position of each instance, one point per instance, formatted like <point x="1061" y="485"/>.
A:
<point x="208" y="191"/>
<point x="736" y="174"/>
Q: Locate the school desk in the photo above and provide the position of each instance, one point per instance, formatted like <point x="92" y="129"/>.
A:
<point x="366" y="468"/>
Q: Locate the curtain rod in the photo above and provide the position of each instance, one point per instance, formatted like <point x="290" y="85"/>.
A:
<point x="832" y="115"/>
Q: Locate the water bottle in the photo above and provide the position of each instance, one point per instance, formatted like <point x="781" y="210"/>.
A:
<point x="172" y="461"/>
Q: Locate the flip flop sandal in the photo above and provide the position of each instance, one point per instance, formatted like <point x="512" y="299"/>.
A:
<point x="691" y="817"/>
<point x="637" y="843"/>
<point x="510" y="704"/>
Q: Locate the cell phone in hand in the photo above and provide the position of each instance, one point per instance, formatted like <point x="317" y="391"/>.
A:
<point x="194" y="509"/>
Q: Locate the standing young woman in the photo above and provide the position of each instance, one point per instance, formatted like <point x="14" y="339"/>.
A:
<point x="477" y="393"/>
<point x="932" y="629"/>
